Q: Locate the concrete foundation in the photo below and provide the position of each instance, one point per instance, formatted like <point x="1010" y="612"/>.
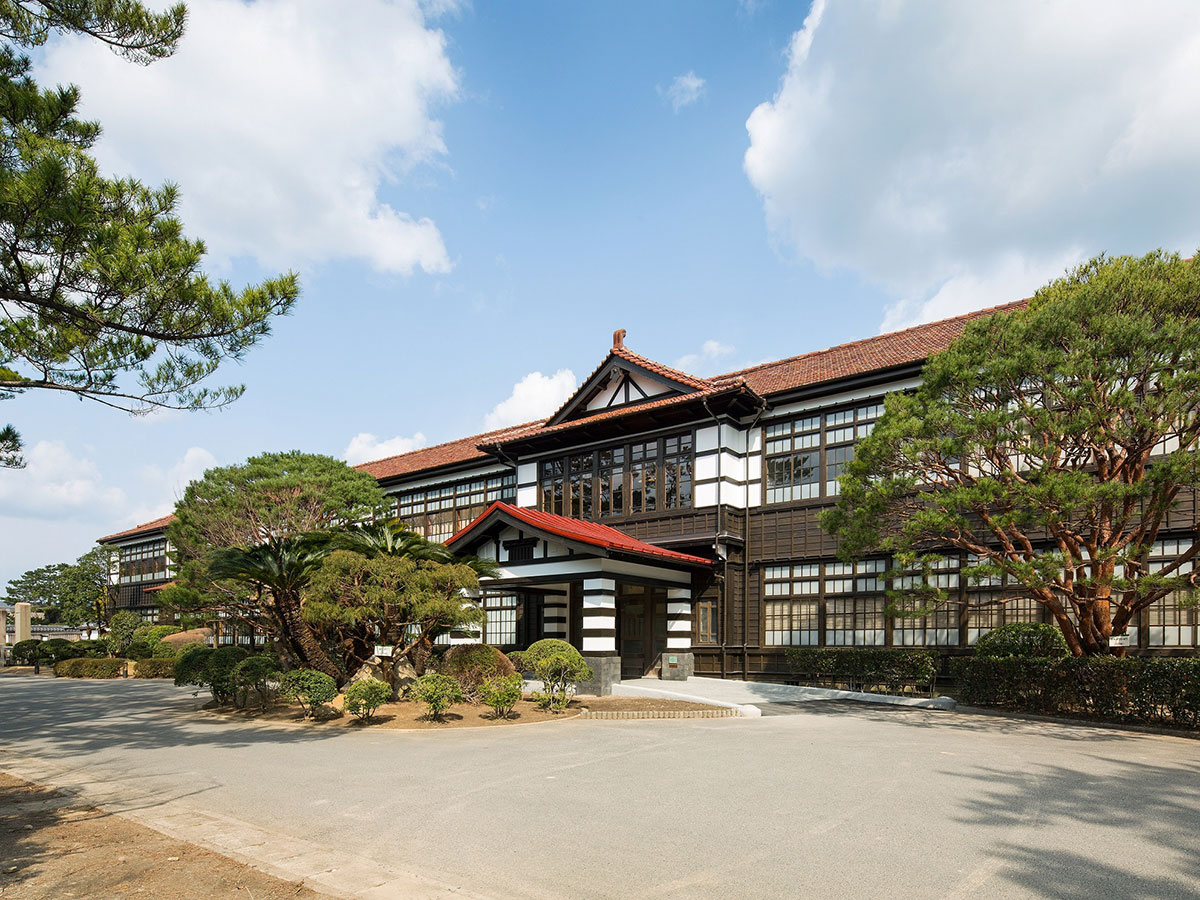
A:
<point x="606" y="671"/>
<point x="676" y="665"/>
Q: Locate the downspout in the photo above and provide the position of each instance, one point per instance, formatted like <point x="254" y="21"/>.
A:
<point x="762" y="408"/>
<point x="717" y="542"/>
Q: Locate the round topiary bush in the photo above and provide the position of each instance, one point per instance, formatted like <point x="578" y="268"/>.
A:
<point x="437" y="692"/>
<point x="1026" y="639"/>
<point x="23" y="652"/>
<point x="547" y="647"/>
<point x="308" y="687"/>
<point x="473" y="664"/>
<point x="365" y="696"/>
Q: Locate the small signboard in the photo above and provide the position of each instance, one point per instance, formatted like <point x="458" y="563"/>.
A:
<point x="1120" y="640"/>
<point x="382" y="650"/>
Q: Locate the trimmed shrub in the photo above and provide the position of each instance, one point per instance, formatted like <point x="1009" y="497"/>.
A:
<point x="84" y="667"/>
<point x="213" y="669"/>
<point x="308" y="687"/>
<point x="154" y="668"/>
<point x="93" y="648"/>
<point x="152" y="634"/>
<point x="865" y="668"/>
<point x="162" y="650"/>
<point x="23" y="652"/>
<point x="259" y="673"/>
<point x="437" y="692"/>
<point x="502" y="693"/>
<point x="558" y="672"/>
<point x="58" y="649"/>
<point x="139" y="650"/>
<point x="1126" y="689"/>
<point x="473" y="664"/>
<point x="1028" y="639"/>
<point x="70" y="668"/>
<point x="540" y="649"/>
<point x="366" y="696"/>
<point x="519" y="662"/>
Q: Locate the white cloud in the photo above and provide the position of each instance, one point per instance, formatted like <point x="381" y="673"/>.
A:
<point x="56" y="483"/>
<point x="960" y="155"/>
<point x="710" y="359"/>
<point x="533" y="397"/>
<point x="282" y="121"/>
<point x="165" y="487"/>
<point x="685" y="90"/>
<point x="366" y="447"/>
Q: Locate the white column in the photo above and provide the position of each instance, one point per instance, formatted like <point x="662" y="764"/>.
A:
<point x="599" y="617"/>
<point x="679" y="619"/>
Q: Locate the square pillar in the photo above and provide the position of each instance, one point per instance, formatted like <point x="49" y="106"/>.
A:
<point x="678" y="664"/>
<point x="3" y="637"/>
<point x="599" y="638"/>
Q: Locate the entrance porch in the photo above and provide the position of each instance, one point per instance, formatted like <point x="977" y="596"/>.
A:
<point x="624" y="604"/>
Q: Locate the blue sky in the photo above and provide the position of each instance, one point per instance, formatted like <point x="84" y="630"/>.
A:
<point x="476" y="195"/>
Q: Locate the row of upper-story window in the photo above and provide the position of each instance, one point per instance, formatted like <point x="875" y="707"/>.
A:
<point x="621" y="480"/>
<point x="438" y="511"/>
<point x="142" y="562"/>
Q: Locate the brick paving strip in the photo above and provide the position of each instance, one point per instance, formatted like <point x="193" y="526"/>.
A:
<point x="333" y="874"/>
<point x="722" y="713"/>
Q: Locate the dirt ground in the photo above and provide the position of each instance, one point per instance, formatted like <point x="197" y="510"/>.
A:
<point x="52" y="848"/>
<point x="408" y="715"/>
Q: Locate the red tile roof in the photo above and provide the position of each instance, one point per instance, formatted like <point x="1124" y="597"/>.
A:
<point x="461" y="450"/>
<point x="591" y="533"/>
<point x="885" y="351"/>
<point x="153" y="525"/>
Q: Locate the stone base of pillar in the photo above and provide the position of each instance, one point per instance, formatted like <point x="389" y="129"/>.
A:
<point x="606" y="671"/>
<point x="677" y="665"/>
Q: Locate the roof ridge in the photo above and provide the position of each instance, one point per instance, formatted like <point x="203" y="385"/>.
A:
<point x="634" y="357"/>
<point x="860" y="341"/>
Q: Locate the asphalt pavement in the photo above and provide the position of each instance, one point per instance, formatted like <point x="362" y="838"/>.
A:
<point x="832" y="800"/>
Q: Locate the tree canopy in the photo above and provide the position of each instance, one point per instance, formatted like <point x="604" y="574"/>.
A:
<point x="69" y="593"/>
<point x="102" y="296"/>
<point x="1048" y="447"/>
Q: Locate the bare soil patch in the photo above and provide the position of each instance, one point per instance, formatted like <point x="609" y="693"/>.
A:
<point x="404" y="714"/>
<point x="55" y="848"/>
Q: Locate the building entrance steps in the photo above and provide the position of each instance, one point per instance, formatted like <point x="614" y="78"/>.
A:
<point x="752" y="694"/>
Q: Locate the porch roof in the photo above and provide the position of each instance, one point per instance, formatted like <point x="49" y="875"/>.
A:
<point x="591" y="533"/>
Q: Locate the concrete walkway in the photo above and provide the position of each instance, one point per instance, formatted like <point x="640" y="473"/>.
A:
<point x="748" y="696"/>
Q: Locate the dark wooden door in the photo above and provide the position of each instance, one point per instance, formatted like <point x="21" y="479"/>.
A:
<point x="631" y="617"/>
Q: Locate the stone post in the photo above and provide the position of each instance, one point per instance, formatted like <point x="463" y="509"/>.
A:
<point x="23" y="617"/>
<point x="3" y="637"/>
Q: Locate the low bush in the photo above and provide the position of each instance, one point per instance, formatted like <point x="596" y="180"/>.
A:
<point x="865" y="668"/>
<point x="1127" y="689"/>
<point x="366" y="696"/>
<point x="23" y="652"/>
<point x="559" y="671"/>
<point x="437" y="692"/>
<point x="85" y="667"/>
<point x="162" y="650"/>
<point x="519" y="662"/>
<point x="93" y="648"/>
<point x="139" y="650"/>
<point x="308" y="687"/>
<point x="259" y="673"/>
<point x="502" y="693"/>
<point x="473" y="664"/>
<point x="154" y="668"/>
<point x="152" y="634"/>
<point x="1028" y="639"/>
<point x="58" y="649"/>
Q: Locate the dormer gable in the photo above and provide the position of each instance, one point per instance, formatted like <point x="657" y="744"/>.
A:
<point x="626" y="379"/>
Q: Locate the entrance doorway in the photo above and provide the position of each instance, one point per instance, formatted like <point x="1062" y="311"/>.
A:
<point x="641" y="629"/>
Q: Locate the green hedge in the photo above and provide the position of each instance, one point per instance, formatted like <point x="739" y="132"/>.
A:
<point x="83" y="667"/>
<point x="1036" y="639"/>
<point x="155" y="668"/>
<point x="1138" y="690"/>
<point x="865" y="668"/>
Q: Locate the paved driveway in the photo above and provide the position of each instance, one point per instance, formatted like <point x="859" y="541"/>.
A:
<point x="836" y="801"/>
